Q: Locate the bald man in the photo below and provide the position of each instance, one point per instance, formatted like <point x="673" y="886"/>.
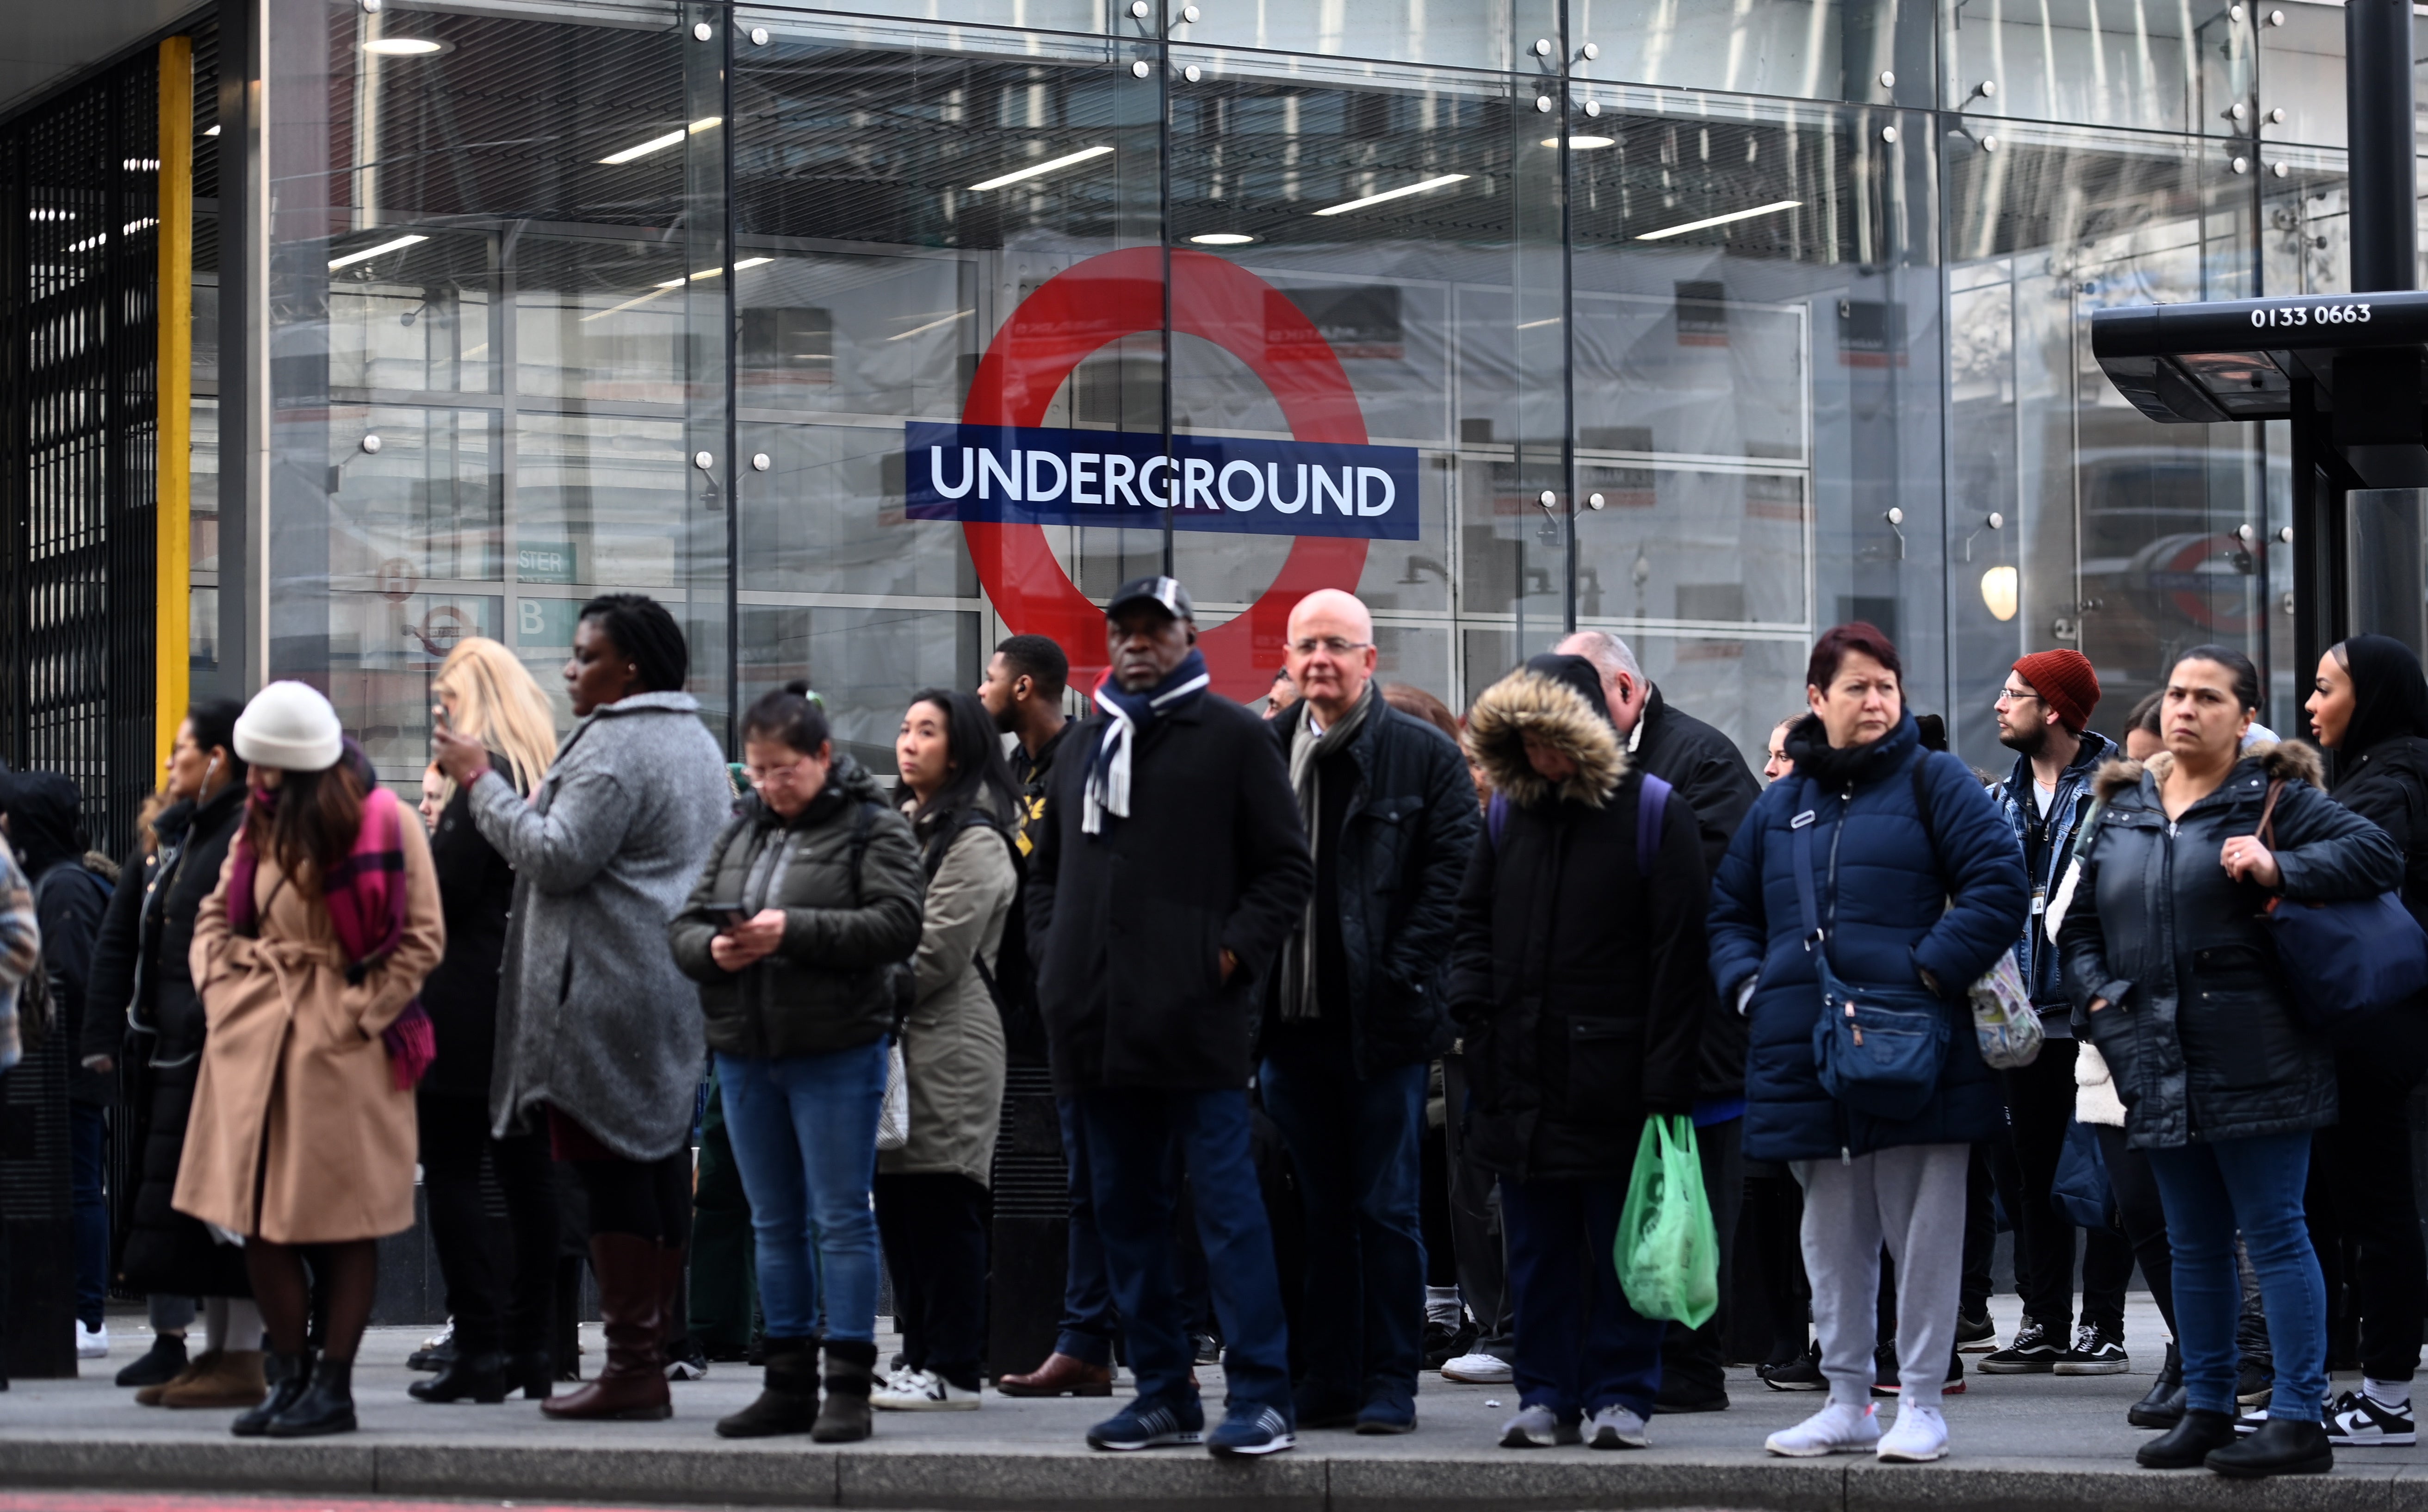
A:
<point x="1356" y="1014"/>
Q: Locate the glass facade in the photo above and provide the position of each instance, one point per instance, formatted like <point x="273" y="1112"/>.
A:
<point x="1707" y="324"/>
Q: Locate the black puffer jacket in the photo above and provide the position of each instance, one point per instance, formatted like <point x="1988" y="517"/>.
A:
<point x="829" y="986"/>
<point x="2387" y="786"/>
<point x="1580" y="985"/>
<point x="2200" y="1029"/>
<point x="1404" y="843"/>
<point x="476" y="887"/>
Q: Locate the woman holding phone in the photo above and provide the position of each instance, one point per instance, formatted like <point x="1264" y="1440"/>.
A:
<point x="799" y="935"/>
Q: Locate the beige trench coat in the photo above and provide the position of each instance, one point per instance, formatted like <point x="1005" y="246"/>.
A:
<point x="295" y="1102"/>
<point x="952" y="1042"/>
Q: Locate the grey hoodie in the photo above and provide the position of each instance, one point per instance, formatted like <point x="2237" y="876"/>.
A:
<point x="593" y="1017"/>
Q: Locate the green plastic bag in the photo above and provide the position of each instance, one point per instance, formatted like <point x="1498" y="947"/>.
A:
<point x="1667" y="1252"/>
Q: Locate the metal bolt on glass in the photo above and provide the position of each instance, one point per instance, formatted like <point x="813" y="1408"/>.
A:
<point x="1887" y="80"/>
<point x="758" y="35"/>
<point x="372" y="445"/>
<point x="1139" y="69"/>
<point x="1193" y="73"/>
<point x="1593" y="107"/>
<point x="1591" y="51"/>
<point x="1888" y="134"/>
<point x="1593" y="500"/>
<point x="702" y="31"/>
<point x="371" y="7"/>
<point x="1542" y="47"/>
<point x="703" y="460"/>
<point x="1548" y="499"/>
<point x="1987" y="88"/>
<point x="1543" y="104"/>
<point x="1138" y="9"/>
<point x="2242" y="165"/>
<point x="2277" y="117"/>
<point x="1189" y="14"/>
<point x="1988" y="145"/>
<point x="761" y="462"/>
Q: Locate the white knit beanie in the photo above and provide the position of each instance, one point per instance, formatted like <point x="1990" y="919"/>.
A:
<point x="291" y="727"/>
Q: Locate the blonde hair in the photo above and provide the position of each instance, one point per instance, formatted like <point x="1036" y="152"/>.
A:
<point x="499" y="703"/>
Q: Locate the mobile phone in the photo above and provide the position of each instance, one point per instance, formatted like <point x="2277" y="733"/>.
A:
<point x="733" y="913"/>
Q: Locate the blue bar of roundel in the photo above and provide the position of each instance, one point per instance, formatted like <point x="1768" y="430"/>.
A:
<point x="1020" y="475"/>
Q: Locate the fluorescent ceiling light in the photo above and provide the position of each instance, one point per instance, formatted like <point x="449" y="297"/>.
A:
<point x="712" y="273"/>
<point x="144" y="165"/>
<point x="214" y="131"/>
<point x="38" y="213"/>
<point x="402" y="46"/>
<point x="93" y="241"/>
<point x="1046" y="167"/>
<point x="1582" y="144"/>
<point x="1772" y="208"/>
<point x="1222" y="239"/>
<point x="368" y="253"/>
<point x="1391" y="194"/>
<point x="919" y="330"/>
<point x="661" y="144"/>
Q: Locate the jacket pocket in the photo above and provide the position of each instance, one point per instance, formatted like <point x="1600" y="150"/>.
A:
<point x="1606" y="1069"/>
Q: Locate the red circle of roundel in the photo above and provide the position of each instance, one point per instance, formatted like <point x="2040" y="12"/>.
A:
<point x="1116" y="294"/>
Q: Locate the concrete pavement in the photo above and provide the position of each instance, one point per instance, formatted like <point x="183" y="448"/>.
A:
<point x="2019" y="1442"/>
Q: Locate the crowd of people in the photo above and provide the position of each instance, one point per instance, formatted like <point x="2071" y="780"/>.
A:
<point x="1356" y="1015"/>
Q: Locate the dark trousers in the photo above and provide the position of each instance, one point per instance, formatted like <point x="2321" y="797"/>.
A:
<point x="1581" y="1347"/>
<point x="1693" y="1365"/>
<point x="648" y="1198"/>
<point x="1088" y="1319"/>
<point x="1981" y="1237"/>
<point x="88" y="1146"/>
<point x="2040" y="1104"/>
<point x="1774" y="1246"/>
<point x="2144" y="1217"/>
<point x="1354" y="1143"/>
<point x="724" y="1285"/>
<point x="490" y="1314"/>
<point x="933" y="1225"/>
<point x="1477" y="1232"/>
<point x="2363" y="1218"/>
<point x="1131" y="1137"/>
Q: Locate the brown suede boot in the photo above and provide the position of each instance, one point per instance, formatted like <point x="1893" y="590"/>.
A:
<point x="632" y="1292"/>
<point x="218" y="1378"/>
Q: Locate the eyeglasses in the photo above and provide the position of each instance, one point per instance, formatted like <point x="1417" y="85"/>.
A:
<point x="1334" y="644"/>
<point x="768" y="774"/>
<point x="2017" y="695"/>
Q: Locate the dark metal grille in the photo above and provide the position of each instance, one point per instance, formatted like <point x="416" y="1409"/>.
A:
<point x="78" y="253"/>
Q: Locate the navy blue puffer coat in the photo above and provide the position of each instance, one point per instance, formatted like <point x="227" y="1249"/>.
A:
<point x="1901" y="907"/>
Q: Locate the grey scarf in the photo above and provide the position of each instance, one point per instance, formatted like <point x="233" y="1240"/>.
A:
<point x="1308" y="748"/>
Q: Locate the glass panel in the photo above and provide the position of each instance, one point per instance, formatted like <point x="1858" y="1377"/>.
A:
<point x="2302" y="73"/>
<point x="2157" y="65"/>
<point x="1874" y="52"/>
<point x="1475" y="33"/>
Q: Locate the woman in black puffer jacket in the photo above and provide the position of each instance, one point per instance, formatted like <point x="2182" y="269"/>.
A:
<point x="798" y="934"/>
<point x="2175" y="980"/>
<point x="2371" y="711"/>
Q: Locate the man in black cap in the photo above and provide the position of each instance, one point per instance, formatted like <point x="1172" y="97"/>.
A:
<point x="1171" y="867"/>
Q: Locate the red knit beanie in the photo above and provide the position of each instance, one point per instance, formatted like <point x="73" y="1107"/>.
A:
<point x="2065" y="683"/>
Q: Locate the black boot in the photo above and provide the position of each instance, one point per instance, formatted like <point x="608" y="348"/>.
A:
<point x="159" y="1365"/>
<point x="479" y="1377"/>
<point x="326" y="1406"/>
<point x="290" y="1376"/>
<point x="851" y="1370"/>
<point x="789" y="1403"/>
<point x="2164" y="1406"/>
<point x="2282" y="1446"/>
<point x="532" y="1373"/>
<point x="2187" y="1444"/>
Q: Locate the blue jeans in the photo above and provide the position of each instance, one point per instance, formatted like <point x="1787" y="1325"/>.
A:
<point x="2255" y="1185"/>
<point x="1087" y="1326"/>
<point x="1131" y="1134"/>
<point x="1354" y="1144"/>
<point x="803" y="1133"/>
<point x="88" y="1134"/>
<point x="1579" y="1346"/>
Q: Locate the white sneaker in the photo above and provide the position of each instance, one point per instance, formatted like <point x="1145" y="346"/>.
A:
<point x="923" y="1391"/>
<point x="1840" y="1428"/>
<point x="1615" y="1428"/>
<point x="1479" y="1369"/>
<point x="92" y="1343"/>
<point x="1919" y="1436"/>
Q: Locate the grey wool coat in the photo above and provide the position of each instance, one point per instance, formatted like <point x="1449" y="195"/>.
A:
<point x="593" y="1016"/>
<point x="952" y="1042"/>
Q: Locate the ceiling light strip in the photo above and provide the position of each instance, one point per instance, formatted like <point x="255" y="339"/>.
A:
<point x="1400" y="192"/>
<point x="642" y="149"/>
<point x="368" y="253"/>
<point x="1046" y="167"/>
<point x="1772" y="208"/>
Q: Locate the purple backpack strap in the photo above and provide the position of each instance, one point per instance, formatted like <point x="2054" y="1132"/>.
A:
<point x="1651" y="804"/>
<point x="1496" y="817"/>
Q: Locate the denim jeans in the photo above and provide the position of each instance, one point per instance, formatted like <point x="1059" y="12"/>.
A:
<point x="88" y="1136"/>
<point x="2255" y="1185"/>
<point x="1088" y="1319"/>
<point x="1354" y="1144"/>
<point x="1581" y="1347"/>
<point x="1131" y="1137"/>
<point x="803" y="1133"/>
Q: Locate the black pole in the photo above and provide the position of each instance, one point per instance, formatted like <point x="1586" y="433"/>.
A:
<point x="2378" y="122"/>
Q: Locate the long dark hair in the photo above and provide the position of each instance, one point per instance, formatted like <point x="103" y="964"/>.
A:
<point x="308" y="823"/>
<point x="978" y="777"/>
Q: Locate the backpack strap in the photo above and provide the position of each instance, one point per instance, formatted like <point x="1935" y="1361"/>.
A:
<point x="1496" y="817"/>
<point x="863" y="824"/>
<point x="1652" y="808"/>
<point x="1922" y="807"/>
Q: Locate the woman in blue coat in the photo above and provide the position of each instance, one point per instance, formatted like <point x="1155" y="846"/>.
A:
<point x="1917" y="886"/>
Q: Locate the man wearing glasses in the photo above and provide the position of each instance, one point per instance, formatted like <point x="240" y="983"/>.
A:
<point x="1356" y="1016"/>
<point x="2044" y="714"/>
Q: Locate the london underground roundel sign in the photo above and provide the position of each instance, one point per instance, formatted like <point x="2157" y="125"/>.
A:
<point x="1003" y="478"/>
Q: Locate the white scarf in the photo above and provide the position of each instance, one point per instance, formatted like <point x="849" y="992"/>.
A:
<point x="1108" y="776"/>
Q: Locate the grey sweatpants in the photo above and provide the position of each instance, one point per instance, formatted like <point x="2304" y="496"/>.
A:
<point x="1912" y="1199"/>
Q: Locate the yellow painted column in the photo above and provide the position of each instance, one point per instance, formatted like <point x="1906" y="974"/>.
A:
<point x="173" y="386"/>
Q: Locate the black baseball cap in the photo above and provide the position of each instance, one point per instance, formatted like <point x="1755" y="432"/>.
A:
<point x="1164" y="593"/>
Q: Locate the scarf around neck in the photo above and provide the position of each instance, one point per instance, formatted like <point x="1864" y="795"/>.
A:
<point x="1127" y="718"/>
<point x="1309" y="748"/>
<point x="365" y="895"/>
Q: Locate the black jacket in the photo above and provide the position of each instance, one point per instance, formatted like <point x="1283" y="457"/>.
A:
<point x="2200" y="1029"/>
<point x="1127" y="927"/>
<point x="476" y="888"/>
<point x="1709" y="773"/>
<point x="140" y="962"/>
<point x="2387" y="786"/>
<point x="1405" y="840"/>
<point x="830" y="985"/>
<point x="1580" y="985"/>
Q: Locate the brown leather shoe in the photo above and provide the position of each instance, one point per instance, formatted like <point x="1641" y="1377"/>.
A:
<point x="217" y="1379"/>
<point x="632" y="1302"/>
<point x="1060" y="1375"/>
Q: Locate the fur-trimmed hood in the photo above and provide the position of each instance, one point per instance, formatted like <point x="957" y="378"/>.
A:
<point x="2282" y="760"/>
<point x="1528" y="702"/>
